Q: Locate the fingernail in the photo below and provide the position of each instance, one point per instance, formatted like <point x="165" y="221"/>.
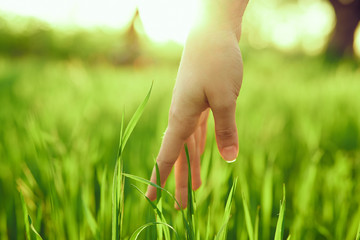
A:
<point x="176" y="206"/>
<point x="231" y="161"/>
<point x="229" y="153"/>
<point x="148" y="193"/>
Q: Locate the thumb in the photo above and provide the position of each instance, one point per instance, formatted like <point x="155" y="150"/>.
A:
<point x="226" y="131"/>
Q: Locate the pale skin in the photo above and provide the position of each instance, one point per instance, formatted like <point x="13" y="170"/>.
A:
<point x="209" y="77"/>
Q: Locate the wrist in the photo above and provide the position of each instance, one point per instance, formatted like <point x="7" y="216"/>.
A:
<point x="206" y="36"/>
<point x="220" y="16"/>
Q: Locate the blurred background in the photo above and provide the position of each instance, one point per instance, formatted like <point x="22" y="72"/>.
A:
<point x="120" y="31"/>
<point x="69" y="71"/>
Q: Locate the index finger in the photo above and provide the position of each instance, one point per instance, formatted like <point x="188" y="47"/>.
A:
<point x="182" y="123"/>
<point x="169" y="152"/>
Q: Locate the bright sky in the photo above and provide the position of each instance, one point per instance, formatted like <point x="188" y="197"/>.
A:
<point x="305" y="25"/>
<point x="163" y="19"/>
<point x="85" y="13"/>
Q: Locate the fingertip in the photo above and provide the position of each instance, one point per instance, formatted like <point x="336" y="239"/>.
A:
<point x="230" y="153"/>
<point x="151" y="193"/>
<point x="183" y="206"/>
<point x="196" y="185"/>
<point x="231" y="161"/>
<point x="181" y="196"/>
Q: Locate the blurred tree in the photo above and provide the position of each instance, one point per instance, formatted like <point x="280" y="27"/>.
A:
<point x="132" y="43"/>
<point x="347" y="14"/>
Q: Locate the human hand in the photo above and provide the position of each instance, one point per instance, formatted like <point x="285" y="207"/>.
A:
<point x="209" y="77"/>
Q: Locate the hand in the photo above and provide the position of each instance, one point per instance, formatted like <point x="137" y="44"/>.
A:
<point x="209" y="77"/>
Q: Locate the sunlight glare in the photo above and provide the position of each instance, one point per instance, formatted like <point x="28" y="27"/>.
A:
<point x="83" y="13"/>
<point x="166" y="20"/>
<point x="285" y="36"/>
<point x="316" y="23"/>
<point x="303" y="25"/>
<point x="357" y="41"/>
<point x="290" y="27"/>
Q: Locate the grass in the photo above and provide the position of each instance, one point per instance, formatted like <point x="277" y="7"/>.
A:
<point x="298" y="121"/>
<point x="28" y="222"/>
<point x="279" y="232"/>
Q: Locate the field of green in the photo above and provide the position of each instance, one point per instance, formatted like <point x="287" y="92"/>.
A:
<point x="60" y="120"/>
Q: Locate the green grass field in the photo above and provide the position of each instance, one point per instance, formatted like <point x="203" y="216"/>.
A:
<point x="299" y="126"/>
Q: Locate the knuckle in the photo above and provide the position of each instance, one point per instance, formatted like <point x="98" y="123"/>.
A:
<point x="174" y="115"/>
<point x="180" y="124"/>
<point x="166" y="163"/>
<point x="224" y="104"/>
<point x="225" y="133"/>
<point x="237" y="87"/>
<point x="183" y="187"/>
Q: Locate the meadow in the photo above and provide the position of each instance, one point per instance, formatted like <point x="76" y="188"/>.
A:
<point x="298" y="119"/>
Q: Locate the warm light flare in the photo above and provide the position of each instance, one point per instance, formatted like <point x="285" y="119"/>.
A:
<point x="304" y="25"/>
<point x="357" y="41"/>
<point x="166" y="20"/>
<point x="83" y="13"/>
<point x="291" y="26"/>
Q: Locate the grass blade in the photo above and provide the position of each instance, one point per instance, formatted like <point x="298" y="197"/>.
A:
<point x="159" y="214"/>
<point x="120" y="199"/>
<point x="27" y="220"/>
<point x="159" y="228"/>
<point x="222" y="232"/>
<point x="158" y="190"/>
<point x="116" y="215"/>
<point x="114" y="234"/>
<point x="249" y="225"/>
<point x="266" y="202"/>
<point x="207" y="237"/>
<point x="102" y="219"/>
<point x="117" y="201"/>
<point x="38" y="237"/>
<point x="191" y="204"/>
<point x="91" y="221"/>
<point x="147" y="182"/>
<point x="358" y="233"/>
<point x="256" y="229"/>
<point x="154" y="207"/>
<point x="137" y="232"/>
<point x="116" y="192"/>
<point x="118" y="179"/>
<point x="26" y="217"/>
<point x="134" y="120"/>
<point x="120" y="148"/>
<point x="280" y="224"/>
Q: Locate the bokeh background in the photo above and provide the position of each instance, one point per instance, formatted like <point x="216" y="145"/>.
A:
<point x="69" y="71"/>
